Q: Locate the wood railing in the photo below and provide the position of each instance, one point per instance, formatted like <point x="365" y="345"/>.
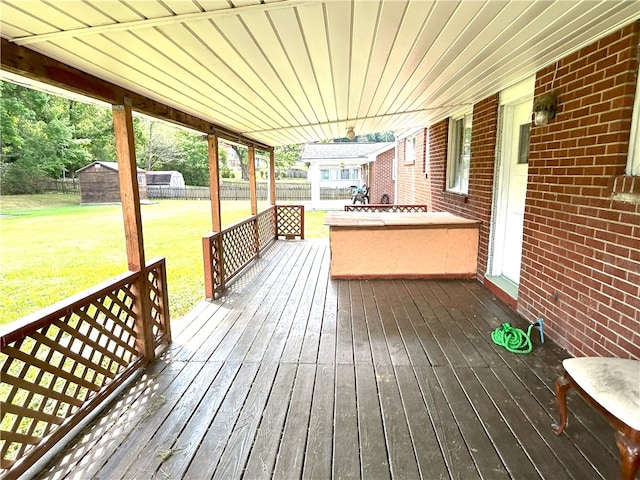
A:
<point x="385" y="207"/>
<point x="227" y="252"/>
<point x="59" y="364"/>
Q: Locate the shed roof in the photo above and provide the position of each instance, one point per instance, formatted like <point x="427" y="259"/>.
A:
<point x="108" y="165"/>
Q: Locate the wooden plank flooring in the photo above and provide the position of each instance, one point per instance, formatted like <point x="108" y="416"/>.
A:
<point x="292" y="375"/>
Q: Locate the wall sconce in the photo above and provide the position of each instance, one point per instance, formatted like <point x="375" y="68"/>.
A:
<point x="544" y="108"/>
<point x="350" y="133"/>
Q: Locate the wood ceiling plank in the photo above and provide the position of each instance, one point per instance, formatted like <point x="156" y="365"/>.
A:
<point x="182" y="7"/>
<point x="313" y="25"/>
<point x="442" y="51"/>
<point x="290" y="34"/>
<point x="55" y="17"/>
<point x="573" y="39"/>
<point x="182" y="72"/>
<point x="118" y="12"/>
<point x="339" y="34"/>
<point x="10" y="31"/>
<point x="510" y="64"/>
<point x="231" y="70"/>
<point x="150" y="8"/>
<point x="15" y="13"/>
<point x="255" y="65"/>
<point x="91" y="60"/>
<point x="409" y="35"/>
<point x="85" y="13"/>
<point x="151" y="89"/>
<point x="272" y="46"/>
<point x="213" y="5"/>
<point x="365" y="20"/>
<point x="391" y="17"/>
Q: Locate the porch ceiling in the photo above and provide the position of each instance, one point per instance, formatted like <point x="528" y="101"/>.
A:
<point x="293" y="71"/>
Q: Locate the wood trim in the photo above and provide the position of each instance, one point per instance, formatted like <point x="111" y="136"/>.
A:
<point x="500" y="294"/>
<point x="130" y="197"/>
<point x="129" y="193"/>
<point x="31" y="64"/>
<point x="214" y="183"/>
<point x="272" y="178"/>
<point x="406" y="276"/>
<point x="253" y="192"/>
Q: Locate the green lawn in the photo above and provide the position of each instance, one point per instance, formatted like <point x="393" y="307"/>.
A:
<point x="51" y="247"/>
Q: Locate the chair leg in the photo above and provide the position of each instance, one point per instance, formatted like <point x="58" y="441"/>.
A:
<point x="629" y="456"/>
<point x="562" y="386"/>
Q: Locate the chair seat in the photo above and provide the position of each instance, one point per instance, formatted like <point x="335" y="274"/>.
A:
<point x="612" y="382"/>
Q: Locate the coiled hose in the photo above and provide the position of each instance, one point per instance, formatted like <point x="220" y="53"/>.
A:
<point x="514" y="339"/>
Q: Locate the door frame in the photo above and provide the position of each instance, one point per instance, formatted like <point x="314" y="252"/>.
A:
<point x="520" y="92"/>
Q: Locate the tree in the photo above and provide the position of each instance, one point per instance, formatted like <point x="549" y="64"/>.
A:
<point x="287" y="155"/>
<point x="38" y="139"/>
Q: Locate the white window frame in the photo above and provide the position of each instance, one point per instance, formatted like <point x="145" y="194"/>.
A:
<point x="459" y="153"/>
<point x="427" y="145"/>
<point x="633" y="157"/>
<point x="410" y="150"/>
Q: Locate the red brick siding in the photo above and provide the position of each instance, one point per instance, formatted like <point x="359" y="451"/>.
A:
<point x="581" y="257"/>
<point x="581" y="252"/>
<point x="381" y="177"/>
<point x="477" y="203"/>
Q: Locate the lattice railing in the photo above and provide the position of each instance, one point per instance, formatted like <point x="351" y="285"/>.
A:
<point x="290" y="221"/>
<point x="59" y="364"/>
<point x="239" y="246"/>
<point x="266" y="227"/>
<point x="383" y="207"/>
<point x="226" y="253"/>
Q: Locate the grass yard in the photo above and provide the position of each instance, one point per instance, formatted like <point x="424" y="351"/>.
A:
<point x="52" y="248"/>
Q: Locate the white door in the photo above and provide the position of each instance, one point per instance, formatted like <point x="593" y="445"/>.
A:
<point x="512" y="190"/>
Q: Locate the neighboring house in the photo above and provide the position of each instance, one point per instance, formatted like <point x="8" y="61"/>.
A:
<point x="559" y="203"/>
<point x="99" y="183"/>
<point x="168" y="179"/>
<point x="340" y="165"/>
<point x="382" y="176"/>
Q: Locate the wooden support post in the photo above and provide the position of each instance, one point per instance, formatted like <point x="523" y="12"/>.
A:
<point x="252" y="180"/>
<point x="272" y="178"/>
<point x="130" y="198"/>
<point x="253" y="193"/>
<point x="214" y="183"/>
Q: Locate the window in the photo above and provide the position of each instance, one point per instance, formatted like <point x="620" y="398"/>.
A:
<point x="459" y="154"/>
<point x="410" y="150"/>
<point x="523" y="143"/>
<point x="633" y="159"/>
<point x="344" y="174"/>
<point x="324" y="174"/>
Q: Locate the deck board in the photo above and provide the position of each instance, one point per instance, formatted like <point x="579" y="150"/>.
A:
<point x="290" y="374"/>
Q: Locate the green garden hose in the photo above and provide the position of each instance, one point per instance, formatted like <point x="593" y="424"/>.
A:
<point x="514" y="339"/>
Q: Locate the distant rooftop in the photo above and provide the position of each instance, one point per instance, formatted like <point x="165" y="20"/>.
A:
<point x="343" y="150"/>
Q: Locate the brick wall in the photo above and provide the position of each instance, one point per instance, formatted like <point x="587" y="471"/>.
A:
<point x="382" y="177"/>
<point x="581" y="258"/>
<point x="417" y="186"/>
<point x="581" y="252"/>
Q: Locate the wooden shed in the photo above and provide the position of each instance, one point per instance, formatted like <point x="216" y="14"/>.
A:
<point x="99" y="183"/>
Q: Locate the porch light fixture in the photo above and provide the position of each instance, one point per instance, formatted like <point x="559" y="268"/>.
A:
<point x="350" y="133"/>
<point x="544" y="108"/>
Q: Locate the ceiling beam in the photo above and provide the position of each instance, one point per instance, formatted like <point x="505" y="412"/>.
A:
<point x="157" y="22"/>
<point x="28" y="63"/>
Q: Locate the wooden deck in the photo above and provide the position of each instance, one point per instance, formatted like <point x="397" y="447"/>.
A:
<point x="292" y="375"/>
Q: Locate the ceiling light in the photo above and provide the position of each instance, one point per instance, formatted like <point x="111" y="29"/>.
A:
<point x="350" y="133"/>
